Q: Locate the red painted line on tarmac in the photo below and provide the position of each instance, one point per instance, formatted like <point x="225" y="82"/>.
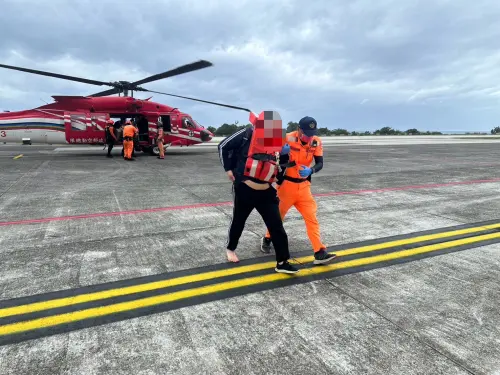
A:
<point x="117" y="213"/>
<point x="410" y="187"/>
<point x="218" y="204"/>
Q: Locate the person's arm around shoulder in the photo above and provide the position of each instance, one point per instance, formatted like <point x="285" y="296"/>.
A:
<point x="228" y="144"/>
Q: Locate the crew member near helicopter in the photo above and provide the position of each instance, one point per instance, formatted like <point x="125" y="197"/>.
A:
<point x="295" y="184"/>
<point x="129" y="132"/>
<point x="123" y="121"/>
<point x="110" y="136"/>
<point x="136" y="147"/>
<point x="159" y="140"/>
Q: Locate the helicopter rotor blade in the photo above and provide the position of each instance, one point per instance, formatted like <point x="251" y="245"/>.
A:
<point x="197" y="65"/>
<point x="56" y="75"/>
<point x="197" y="100"/>
<point x="106" y="93"/>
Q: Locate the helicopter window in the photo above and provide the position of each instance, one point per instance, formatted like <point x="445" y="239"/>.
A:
<point x="78" y="122"/>
<point x="187" y="123"/>
<point x="99" y="120"/>
<point x="198" y="124"/>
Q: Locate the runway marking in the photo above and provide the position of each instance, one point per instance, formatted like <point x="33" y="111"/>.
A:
<point x="22" y="321"/>
<point x="87" y="297"/>
<point x="23" y="309"/>
<point x="229" y="203"/>
<point x="18" y="156"/>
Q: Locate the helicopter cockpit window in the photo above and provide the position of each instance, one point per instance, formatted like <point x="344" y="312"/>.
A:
<point x="187" y="123"/>
<point x="198" y="124"/>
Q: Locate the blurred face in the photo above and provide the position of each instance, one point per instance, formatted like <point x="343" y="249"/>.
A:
<point x="270" y="129"/>
<point x="303" y="137"/>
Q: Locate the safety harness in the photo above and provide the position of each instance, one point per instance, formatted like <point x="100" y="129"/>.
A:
<point x="295" y="139"/>
<point x="263" y="162"/>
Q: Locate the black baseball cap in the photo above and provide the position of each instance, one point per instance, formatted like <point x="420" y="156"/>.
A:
<point x="308" y="125"/>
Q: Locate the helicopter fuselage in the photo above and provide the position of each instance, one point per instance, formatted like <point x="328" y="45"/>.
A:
<point x="82" y="120"/>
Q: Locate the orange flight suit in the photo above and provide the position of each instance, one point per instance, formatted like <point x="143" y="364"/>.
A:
<point x="129" y="132"/>
<point x="159" y="142"/>
<point x="299" y="194"/>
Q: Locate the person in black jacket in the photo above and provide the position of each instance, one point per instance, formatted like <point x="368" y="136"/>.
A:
<point x="109" y="132"/>
<point x="248" y="194"/>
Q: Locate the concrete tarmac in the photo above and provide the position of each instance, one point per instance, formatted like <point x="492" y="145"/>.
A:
<point x="75" y="224"/>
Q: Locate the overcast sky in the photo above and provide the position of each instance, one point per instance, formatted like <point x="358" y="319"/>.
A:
<point x="360" y="65"/>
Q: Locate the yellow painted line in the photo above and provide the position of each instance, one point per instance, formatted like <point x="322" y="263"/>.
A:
<point x="189" y="293"/>
<point x="18" y="156"/>
<point x="94" y="296"/>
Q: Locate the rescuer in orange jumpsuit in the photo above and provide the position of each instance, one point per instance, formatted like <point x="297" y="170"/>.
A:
<point x="129" y="131"/>
<point x="295" y="184"/>
<point x="159" y="141"/>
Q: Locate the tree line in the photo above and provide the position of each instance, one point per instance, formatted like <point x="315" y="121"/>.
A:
<point x="228" y="129"/>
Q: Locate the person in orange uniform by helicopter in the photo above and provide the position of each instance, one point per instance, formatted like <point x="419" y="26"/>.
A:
<point x="129" y="131"/>
<point x="294" y="184"/>
<point x="159" y="140"/>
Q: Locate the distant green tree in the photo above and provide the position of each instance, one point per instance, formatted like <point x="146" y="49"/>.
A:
<point x="340" y="132"/>
<point x="324" y="132"/>
<point x="386" y="130"/>
<point x="413" y="131"/>
<point x="292" y="126"/>
<point x="495" y="130"/>
<point x="226" y="129"/>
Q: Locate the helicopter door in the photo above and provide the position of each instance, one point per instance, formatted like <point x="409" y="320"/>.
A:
<point x="167" y="126"/>
<point x="85" y="128"/>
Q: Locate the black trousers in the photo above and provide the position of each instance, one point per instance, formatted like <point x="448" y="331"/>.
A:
<point x="110" y="147"/>
<point x="266" y="203"/>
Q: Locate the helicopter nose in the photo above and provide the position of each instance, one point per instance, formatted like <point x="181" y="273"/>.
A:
<point x="206" y="135"/>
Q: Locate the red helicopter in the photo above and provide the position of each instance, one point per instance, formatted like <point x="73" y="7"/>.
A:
<point x="82" y="119"/>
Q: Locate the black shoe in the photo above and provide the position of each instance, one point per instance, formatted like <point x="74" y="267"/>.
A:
<point x="109" y="156"/>
<point x="285" y="268"/>
<point x="265" y="245"/>
<point x="322" y="257"/>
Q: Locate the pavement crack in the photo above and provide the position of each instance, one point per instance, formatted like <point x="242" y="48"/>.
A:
<point x="447" y="218"/>
<point x="112" y="238"/>
<point x="460" y="221"/>
<point x="21" y="177"/>
<point x="399" y="327"/>
<point x="118" y="205"/>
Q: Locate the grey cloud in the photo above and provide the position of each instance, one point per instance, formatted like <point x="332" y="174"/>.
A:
<point x="427" y="64"/>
